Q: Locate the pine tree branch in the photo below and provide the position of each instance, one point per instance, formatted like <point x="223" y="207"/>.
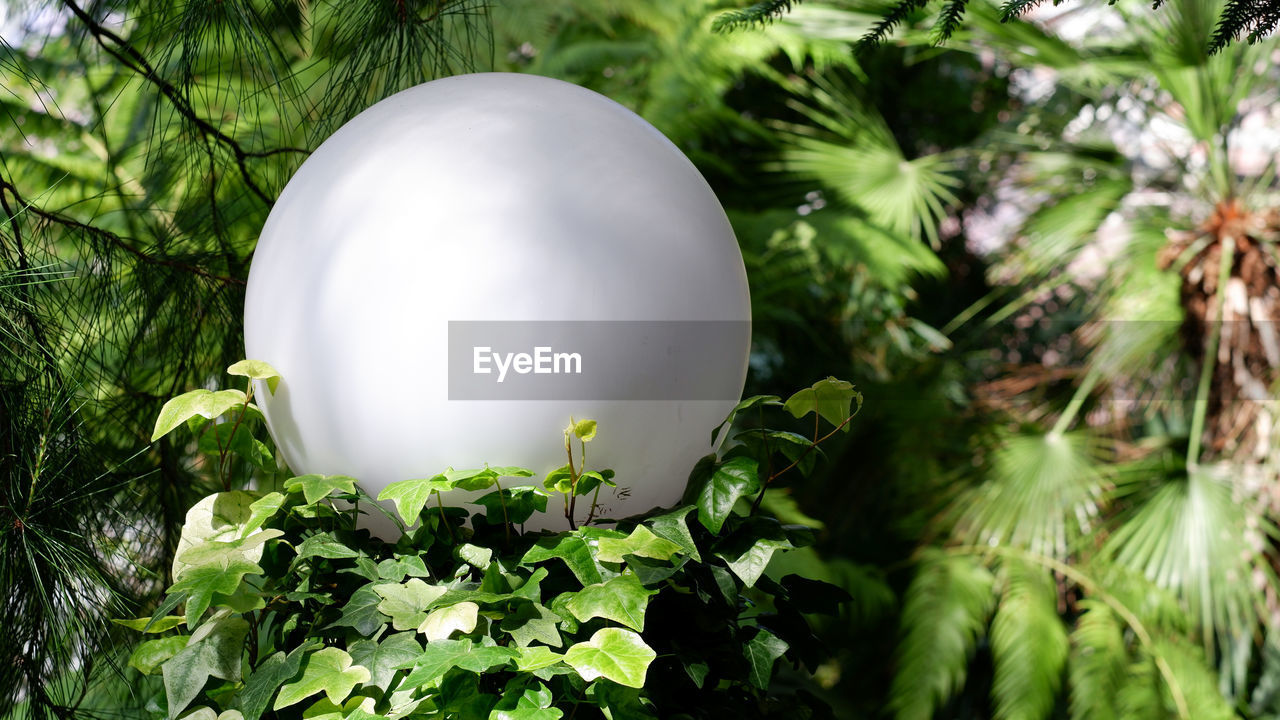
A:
<point x="112" y="238"/>
<point x="762" y="13"/>
<point x="131" y="58"/>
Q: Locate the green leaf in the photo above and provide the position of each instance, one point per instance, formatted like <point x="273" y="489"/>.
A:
<point x="329" y="670"/>
<point x="532" y="622"/>
<point x="536" y="658"/>
<point x="258" y="370"/>
<point x="674" y="526"/>
<point x="197" y="403"/>
<point x="832" y="399"/>
<point x="223" y="551"/>
<point x="213" y="650"/>
<point x="573" y="550"/>
<point x="361" y="611"/>
<point x="202" y="582"/>
<point x="315" y="487"/>
<point x="622" y="599"/>
<point x="511" y="471"/>
<point x="762" y="651"/>
<point x="641" y="542"/>
<point x="592" y="479"/>
<point x="1027" y="674"/>
<point x="471" y="480"/>
<point x="1098" y="663"/>
<point x="584" y="430"/>
<point x="146" y="625"/>
<point x="751" y="563"/>
<point x="402" y="566"/>
<point x="440" y="656"/>
<point x="276" y="670"/>
<point x="384" y="658"/>
<point x="727" y="482"/>
<point x="473" y="555"/>
<point x="262" y="510"/>
<point x="324" y="545"/>
<point x="613" y="653"/>
<point x="222" y="517"/>
<point x="407" y="603"/>
<point x="559" y="480"/>
<point x="443" y="622"/>
<point x="522" y="501"/>
<point x="410" y="496"/>
<point x="946" y="610"/>
<point x="148" y="656"/>
<point x="747" y="404"/>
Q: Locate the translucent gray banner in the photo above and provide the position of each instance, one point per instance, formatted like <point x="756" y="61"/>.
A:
<point x="597" y="360"/>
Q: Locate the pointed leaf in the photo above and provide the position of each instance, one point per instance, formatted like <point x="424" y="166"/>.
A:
<point x="330" y="671"/>
<point x="314" y="488"/>
<point x="622" y="599"/>
<point x="197" y="403"/>
<point x="613" y="653"/>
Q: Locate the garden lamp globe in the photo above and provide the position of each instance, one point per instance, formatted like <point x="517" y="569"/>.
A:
<point x="467" y="265"/>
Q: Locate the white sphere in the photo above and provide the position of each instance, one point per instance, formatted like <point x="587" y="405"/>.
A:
<point x="495" y="197"/>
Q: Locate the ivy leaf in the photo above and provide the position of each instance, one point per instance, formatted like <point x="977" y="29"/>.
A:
<point x="200" y="584"/>
<point x="674" y="526"/>
<point x="148" y="656"/>
<point x="324" y="545"/>
<point x="262" y="510"/>
<point x="314" y="487"/>
<point x="728" y="482"/>
<point x="407" y="603"/>
<point x="473" y="555"/>
<point x="202" y="403"/>
<point x="584" y="430"/>
<point x="410" y="496"/>
<point x="224" y="551"/>
<point x="383" y="659"/>
<point x="622" y="599"/>
<point x="439" y="657"/>
<point x="531" y="622"/>
<point x="257" y="370"/>
<point x="641" y="542"/>
<point x="573" y="550"/>
<point x="443" y="622"/>
<point x="592" y="479"/>
<point x="271" y="674"/>
<point x="214" y="651"/>
<point x="747" y="404"/>
<point x="329" y="670"/>
<point x="559" y="480"/>
<point x="832" y="399"/>
<point x="522" y="501"/>
<point x="511" y="471"/>
<point x="762" y="651"/>
<point x="471" y="480"/>
<point x="402" y="566"/>
<point x="221" y="516"/>
<point x="536" y="658"/>
<point x="613" y="653"/>
<point x="749" y="565"/>
<point x="361" y="612"/>
<point x="147" y="625"/>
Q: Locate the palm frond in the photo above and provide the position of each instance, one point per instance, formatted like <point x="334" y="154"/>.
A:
<point x="1190" y="535"/>
<point x="1041" y="496"/>
<point x="946" y="610"/>
<point x="849" y="149"/>
<point x="1028" y="644"/>
<point x="1098" y="663"/>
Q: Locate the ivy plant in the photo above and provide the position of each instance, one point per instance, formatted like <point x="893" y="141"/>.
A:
<point x="282" y="607"/>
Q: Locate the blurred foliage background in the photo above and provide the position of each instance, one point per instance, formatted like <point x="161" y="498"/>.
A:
<point x="1044" y="250"/>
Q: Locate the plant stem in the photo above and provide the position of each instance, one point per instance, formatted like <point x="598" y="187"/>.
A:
<point x="1077" y="400"/>
<point x="443" y="519"/>
<point x="1211" y="355"/>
